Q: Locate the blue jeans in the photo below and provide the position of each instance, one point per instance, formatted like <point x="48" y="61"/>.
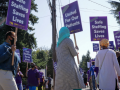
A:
<point x="93" y="81"/>
<point x="32" y="87"/>
<point x="20" y="87"/>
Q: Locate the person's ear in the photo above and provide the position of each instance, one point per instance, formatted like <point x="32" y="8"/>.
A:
<point x="9" y="37"/>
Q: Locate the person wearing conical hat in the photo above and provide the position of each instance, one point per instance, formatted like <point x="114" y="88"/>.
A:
<point x="108" y="65"/>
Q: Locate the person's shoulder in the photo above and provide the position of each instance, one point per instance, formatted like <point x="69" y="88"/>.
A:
<point x="111" y="51"/>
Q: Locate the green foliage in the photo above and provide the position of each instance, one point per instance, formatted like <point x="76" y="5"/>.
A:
<point x="116" y="6"/>
<point x="85" y="59"/>
<point x="40" y="57"/>
<point x="24" y="38"/>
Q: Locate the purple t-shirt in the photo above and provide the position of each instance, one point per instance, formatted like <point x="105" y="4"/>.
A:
<point x="33" y="76"/>
<point x="96" y="70"/>
<point x="18" y="77"/>
<point x="88" y="72"/>
<point x="41" y="76"/>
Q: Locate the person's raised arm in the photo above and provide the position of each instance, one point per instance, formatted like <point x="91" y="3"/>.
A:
<point x="71" y="47"/>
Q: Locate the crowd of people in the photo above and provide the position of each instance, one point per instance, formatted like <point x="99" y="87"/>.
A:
<point x="103" y="74"/>
<point x="10" y="74"/>
<point x="35" y="78"/>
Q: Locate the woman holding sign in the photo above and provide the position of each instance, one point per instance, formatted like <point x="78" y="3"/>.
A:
<point x="67" y="75"/>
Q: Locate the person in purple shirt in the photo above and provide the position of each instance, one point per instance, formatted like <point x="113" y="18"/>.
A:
<point x="33" y="77"/>
<point x="18" y="79"/>
<point x="41" y="79"/>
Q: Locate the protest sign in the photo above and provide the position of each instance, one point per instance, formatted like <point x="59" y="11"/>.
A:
<point x="95" y="47"/>
<point x="27" y="55"/>
<point x="18" y="53"/>
<point x="98" y="28"/>
<point x="71" y="17"/>
<point x="18" y="13"/>
<point x="88" y="64"/>
<point x="111" y="45"/>
<point x="117" y="39"/>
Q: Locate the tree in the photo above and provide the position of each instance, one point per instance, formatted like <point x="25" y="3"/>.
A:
<point x="85" y="59"/>
<point x="24" y="38"/>
<point x="40" y="57"/>
<point x="116" y="6"/>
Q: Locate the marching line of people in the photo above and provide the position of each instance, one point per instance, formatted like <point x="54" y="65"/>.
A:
<point x="11" y="76"/>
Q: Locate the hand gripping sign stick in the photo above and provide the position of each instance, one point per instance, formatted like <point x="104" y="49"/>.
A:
<point x="16" y="29"/>
<point x="76" y="45"/>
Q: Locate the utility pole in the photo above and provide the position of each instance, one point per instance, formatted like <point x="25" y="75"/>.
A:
<point x="54" y="35"/>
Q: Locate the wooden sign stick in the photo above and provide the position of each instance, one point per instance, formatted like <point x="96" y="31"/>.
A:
<point x="76" y="45"/>
<point x="16" y="29"/>
<point x="99" y="44"/>
<point x="27" y="64"/>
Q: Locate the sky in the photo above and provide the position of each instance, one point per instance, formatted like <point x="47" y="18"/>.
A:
<point x="43" y="29"/>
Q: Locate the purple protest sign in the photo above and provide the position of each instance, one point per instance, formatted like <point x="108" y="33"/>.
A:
<point x="95" y="47"/>
<point x="71" y="17"/>
<point x="27" y="55"/>
<point x="18" y="53"/>
<point x="111" y="45"/>
<point x="98" y="28"/>
<point x="18" y="13"/>
<point x="117" y="39"/>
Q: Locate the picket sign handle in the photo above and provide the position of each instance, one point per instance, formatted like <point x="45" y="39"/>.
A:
<point x="99" y="44"/>
<point x="16" y="29"/>
<point x="76" y="45"/>
<point x="27" y="64"/>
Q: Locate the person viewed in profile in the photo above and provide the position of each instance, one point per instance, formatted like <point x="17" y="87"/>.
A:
<point x="109" y="69"/>
<point x="93" y="74"/>
<point x="118" y="57"/>
<point x="7" y="81"/>
<point x="19" y="79"/>
<point x="85" y="78"/>
<point x="67" y="74"/>
<point x="33" y="77"/>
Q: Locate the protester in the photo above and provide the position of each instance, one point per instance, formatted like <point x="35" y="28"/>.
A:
<point x="85" y="78"/>
<point x="7" y="81"/>
<point x="43" y="82"/>
<point x="118" y="56"/>
<point x="41" y="79"/>
<point x="96" y="73"/>
<point x="67" y="75"/>
<point x="108" y="67"/>
<point x="19" y="79"/>
<point x="93" y="74"/>
<point x="89" y="80"/>
<point x="33" y="77"/>
<point x="49" y="82"/>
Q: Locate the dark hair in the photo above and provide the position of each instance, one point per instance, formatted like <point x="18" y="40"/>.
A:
<point x="93" y="63"/>
<point x="9" y="33"/>
<point x="117" y="53"/>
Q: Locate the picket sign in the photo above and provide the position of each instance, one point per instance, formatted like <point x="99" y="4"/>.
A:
<point x="76" y="45"/>
<point x="18" y="21"/>
<point x="72" y="19"/>
<point x="16" y="29"/>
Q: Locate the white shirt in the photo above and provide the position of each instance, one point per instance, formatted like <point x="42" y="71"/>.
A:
<point x="109" y="70"/>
